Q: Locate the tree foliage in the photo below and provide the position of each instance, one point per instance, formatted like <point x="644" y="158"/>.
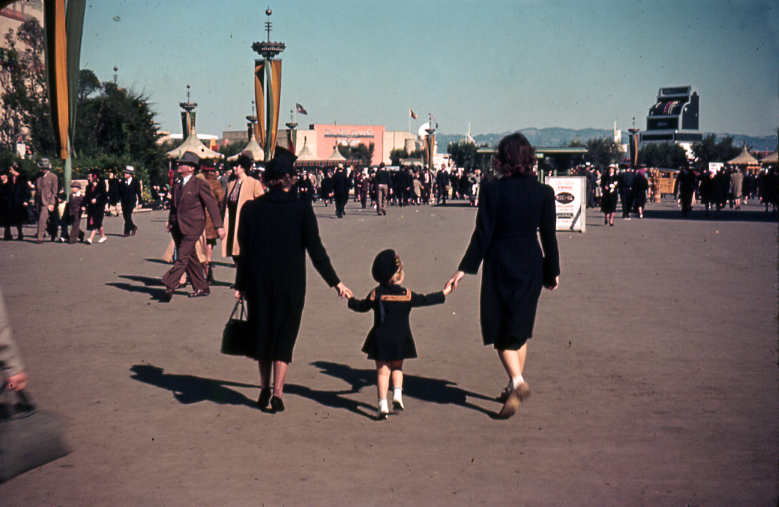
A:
<point x="665" y="155"/>
<point x="709" y="150"/>
<point x="114" y="126"/>
<point x="26" y="113"/>
<point x="604" y="151"/>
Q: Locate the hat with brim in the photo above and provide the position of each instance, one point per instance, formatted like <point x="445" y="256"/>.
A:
<point x="188" y="158"/>
<point x="385" y="265"/>
<point x="129" y="169"/>
<point x="283" y="162"/>
<point x="75" y="184"/>
<point x="44" y="163"/>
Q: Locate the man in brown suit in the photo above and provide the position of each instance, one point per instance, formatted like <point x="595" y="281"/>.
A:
<point x="46" y="187"/>
<point x="186" y="222"/>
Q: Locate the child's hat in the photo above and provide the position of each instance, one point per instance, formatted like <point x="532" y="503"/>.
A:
<point x="385" y="265"/>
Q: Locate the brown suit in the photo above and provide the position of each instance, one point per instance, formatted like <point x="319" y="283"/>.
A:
<point x="46" y="187"/>
<point x="187" y="220"/>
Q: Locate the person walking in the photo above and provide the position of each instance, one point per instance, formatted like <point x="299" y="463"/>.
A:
<point x="383" y="183"/>
<point x="94" y="201"/>
<point x="129" y="196"/>
<point x="242" y="189"/>
<point x="610" y="194"/>
<point x="46" y="186"/>
<point x="208" y="173"/>
<point x="514" y="211"/>
<point x="186" y="223"/>
<point x="390" y="342"/>
<point x="18" y="204"/>
<point x="340" y="191"/>
<point x="275" y="232"/>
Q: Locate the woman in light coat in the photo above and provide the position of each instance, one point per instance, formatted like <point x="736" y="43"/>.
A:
<point x="240" y="190"/>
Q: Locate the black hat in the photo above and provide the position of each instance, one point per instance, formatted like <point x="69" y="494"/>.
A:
<point x="385" y="265"/>
<point x="283" y="162"/>
<point x="189" y="158"/>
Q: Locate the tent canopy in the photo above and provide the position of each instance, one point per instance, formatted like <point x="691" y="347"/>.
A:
<point x="744" y="158"/>
<point x="193" y="144"/>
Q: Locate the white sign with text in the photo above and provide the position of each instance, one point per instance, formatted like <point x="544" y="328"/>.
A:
<point x="570" y="193"/>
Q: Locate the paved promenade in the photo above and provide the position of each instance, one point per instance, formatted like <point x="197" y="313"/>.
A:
<point x="653" y="371"/>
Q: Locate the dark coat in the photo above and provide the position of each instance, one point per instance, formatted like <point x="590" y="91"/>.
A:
<point x="275" y="232"/>
<point x="187" y="208"/>
<point x="19" y="195"/>
<point x="511" y="211"/>
<point x="95" y="210"/>
<point x="130" y="193"/>
<point x="340" y="183"/>
<point x="610" y="197"/>
<point x="390" y="339"/>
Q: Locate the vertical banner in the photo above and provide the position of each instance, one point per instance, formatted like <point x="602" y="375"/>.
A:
<point x="633" y="150"/>
<point x="268" y="113"/>
<point x="259" y="99"/>
<point x="570" y="202"/>
<point x="57" y="71"/>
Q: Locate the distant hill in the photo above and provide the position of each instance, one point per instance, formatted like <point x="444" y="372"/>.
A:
<point x="556" y="136"/>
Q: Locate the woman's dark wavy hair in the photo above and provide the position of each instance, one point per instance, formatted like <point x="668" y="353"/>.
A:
<point x="515" y="157"/>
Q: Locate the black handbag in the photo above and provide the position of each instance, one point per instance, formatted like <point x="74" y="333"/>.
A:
<point x="29" y="437"/>
<point x="236" y="340"/>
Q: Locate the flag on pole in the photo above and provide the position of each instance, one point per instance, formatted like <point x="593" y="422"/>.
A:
<point x="411" y="113"/>
<point x="300" y="109"/>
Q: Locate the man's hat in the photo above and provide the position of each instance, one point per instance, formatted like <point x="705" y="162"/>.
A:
<point x="283" y="162"/>
<point x="188" y="158"/>
<point x="129" y="169"/>
<point x="44" y="163"/>
<point x="385" y="265"/>
<point x="75" y="184"/>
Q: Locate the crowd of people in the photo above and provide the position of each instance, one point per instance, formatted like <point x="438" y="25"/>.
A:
<point x="714" y="190"/>
<point x="42" y="201"/>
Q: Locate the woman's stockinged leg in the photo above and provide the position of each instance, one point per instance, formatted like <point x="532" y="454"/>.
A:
<point x="279" y="374"/>
<point x="265" y="369"/>
<point x="396" y="367"/>
<point x="513" y="361"/>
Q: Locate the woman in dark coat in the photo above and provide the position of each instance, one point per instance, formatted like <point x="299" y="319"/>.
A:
<point x="275" y="231"/>
<point x="610" y="195"/>
<point x="512" y="211"/>
<point x="640" y="188"/>
<point x="19" y="202"/>
<point x="95" y="199"/>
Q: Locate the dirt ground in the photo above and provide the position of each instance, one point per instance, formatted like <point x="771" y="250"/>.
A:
<point x="653" y="371"/>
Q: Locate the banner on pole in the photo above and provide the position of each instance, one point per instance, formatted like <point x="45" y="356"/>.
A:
<point x="570" y="193"/>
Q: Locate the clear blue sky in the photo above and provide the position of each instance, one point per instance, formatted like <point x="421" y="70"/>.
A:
<point x="501" y="65"/>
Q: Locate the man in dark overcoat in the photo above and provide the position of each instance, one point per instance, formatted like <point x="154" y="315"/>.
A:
<point x="340" y="191"/>
<point x="186" y="223"/>
<point x="130" y="196"/>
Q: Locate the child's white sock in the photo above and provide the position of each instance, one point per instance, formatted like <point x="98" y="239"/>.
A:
<point x="516" y="381"/>
<point x="397" y="398"/>
<point x="383" y="409"/>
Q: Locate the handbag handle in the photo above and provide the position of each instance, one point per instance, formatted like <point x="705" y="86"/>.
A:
<point x="235" y="308"/>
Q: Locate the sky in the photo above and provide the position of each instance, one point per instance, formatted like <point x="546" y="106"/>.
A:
<point x="500" y="65"/>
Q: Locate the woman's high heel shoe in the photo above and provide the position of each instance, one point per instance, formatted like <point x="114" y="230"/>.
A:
<point x="276" y="404"/>
<point x="262" y="402"/>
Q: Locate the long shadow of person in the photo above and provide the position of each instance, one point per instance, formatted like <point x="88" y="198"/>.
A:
<point x="151" y="286"/>
<point x="422" y="388"/>
<point x="191" y="389"/>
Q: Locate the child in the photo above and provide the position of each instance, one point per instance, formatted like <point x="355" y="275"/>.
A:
<point x="74" y="213"/>
<point x="389" y="341"/>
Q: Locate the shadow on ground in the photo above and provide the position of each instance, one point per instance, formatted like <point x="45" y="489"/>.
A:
<point x="414" y="386"/>
<point x="191" y="389"/>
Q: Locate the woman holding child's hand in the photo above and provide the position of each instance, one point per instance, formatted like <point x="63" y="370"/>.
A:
<point x="275" y="231"/>
<point x="514" y="211"/>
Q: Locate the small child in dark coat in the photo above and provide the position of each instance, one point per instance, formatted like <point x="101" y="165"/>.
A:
<point x="389" y="341"/>
<point x="74" y="213"/>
